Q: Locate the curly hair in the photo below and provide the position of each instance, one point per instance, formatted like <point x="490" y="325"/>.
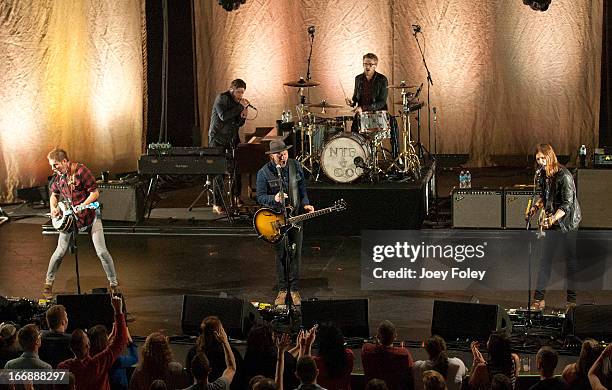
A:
<point x="436" y="350"/>
<point x="156" y="355"/>
<point x="207" y="341"/>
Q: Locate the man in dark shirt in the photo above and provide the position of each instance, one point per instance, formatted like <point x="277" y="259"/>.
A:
<point x="55" y="346"/>
<point x="75" y="184"/>
<point x="370" y="92"/>
<point x="228" y="114"/>
<point x="546" y="361"/>
<point x="268" y="195"/>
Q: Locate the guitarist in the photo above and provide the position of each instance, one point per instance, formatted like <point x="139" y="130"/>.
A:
<point x="558" y="200"/>
<point x="75" y="182"/>
<point x="268" y="194"/>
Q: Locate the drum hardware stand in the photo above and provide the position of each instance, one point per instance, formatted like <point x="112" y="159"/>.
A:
<point x="206" y="190"/>
<point x="407" y="161"/>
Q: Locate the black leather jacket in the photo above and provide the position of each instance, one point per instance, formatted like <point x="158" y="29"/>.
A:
<point x="559" y="192"/>
<point x="379" y="92"/>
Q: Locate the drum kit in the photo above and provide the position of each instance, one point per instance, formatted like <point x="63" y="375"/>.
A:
<point x="327" y="144"/>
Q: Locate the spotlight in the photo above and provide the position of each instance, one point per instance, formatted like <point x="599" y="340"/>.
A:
<point x="538" y="5"/>
<point x="230" y="5"/>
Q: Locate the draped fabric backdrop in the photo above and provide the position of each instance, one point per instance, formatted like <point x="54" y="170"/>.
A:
<point x="71" y="75"/>
<point x="505" y="77"/>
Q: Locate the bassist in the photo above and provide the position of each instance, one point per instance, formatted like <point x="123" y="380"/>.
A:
<point x="269" y="195"/>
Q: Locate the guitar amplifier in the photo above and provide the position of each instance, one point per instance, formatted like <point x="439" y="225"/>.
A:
<point x="515" y="204"/>
<point x="121" y="201"/>
<point x="477" y="208"/>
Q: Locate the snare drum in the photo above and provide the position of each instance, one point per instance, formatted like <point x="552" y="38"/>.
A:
<point x="375" y="123"/>
<point x="339" y="155"/>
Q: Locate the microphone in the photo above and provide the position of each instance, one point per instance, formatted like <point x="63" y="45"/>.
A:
<point x="416" y="28"/>
<point x="311" y="30"/>
<point x="280" y="177"/>
<point x="250" y="105"/>
<point x="359" y="163"/>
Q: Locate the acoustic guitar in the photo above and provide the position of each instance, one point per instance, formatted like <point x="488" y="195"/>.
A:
<point x="271" y="226"/>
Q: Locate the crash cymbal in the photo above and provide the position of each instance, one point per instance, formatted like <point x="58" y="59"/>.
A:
<point x="301" y="83"/>
<point x="402" y="85"/>
<point x="325" y="104"/>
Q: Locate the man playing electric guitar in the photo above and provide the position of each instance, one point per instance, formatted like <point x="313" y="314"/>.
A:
<point x="562" y="212"/>
<point x="74" y="183"/>
<point x="269" y="195"/>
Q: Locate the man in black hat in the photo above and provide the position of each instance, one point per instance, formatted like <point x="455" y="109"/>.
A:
<point x="228" y="114"/>
<point x="294" y="192"/>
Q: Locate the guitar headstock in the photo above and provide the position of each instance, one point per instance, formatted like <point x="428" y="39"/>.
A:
<point x="339" y="205"/>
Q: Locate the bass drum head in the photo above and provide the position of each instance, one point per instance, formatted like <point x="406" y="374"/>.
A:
<point x="339" y="154"/>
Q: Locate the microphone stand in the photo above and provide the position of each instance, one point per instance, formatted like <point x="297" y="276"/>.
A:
<point x="529" y="323"/>
<point x="310" y="56"/>
<point x="429" y="83"/>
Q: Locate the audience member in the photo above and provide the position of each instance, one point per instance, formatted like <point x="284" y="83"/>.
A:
<point x="99" y="339"/>
<point x="156" y="362"/>
<point x="546" y="362"/>
<point x="265" y="384"/>
<point x="9" y="348"/>
<point x="158" y="384"/>
<point x="55" y="347"/>
<point x="307" y="372"/>
<point x="334" y="361"/>
<point x="200" y="367"/>
<point x="452" y="369"/>
<point x="207" y="343"/>
<point x="577" y="374"/>
<point x="384" y="361"/>
<point x="501" y="361"/>
<point x="433" y="380"/>
<point x="376" y="384"/>
<point x="598" y="379"/>
<point x="254" y="380"/>
<point x="29" y="340"/>
<point x="91" y="372"/>
<point x="501" y="382"/>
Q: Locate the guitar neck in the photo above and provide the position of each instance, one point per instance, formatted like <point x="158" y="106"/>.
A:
<point x="303" y="217"/>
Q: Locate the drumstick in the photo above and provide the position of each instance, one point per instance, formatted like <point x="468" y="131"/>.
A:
<point x="343" y="91"/>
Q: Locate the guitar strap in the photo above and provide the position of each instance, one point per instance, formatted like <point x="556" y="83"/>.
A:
<point x="294" y="198"/>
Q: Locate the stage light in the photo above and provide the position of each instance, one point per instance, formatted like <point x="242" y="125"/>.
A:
<point x="538" y="5"/>
<point x="230" y="5"/>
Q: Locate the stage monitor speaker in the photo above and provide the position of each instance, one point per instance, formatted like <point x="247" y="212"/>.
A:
<point x="236" y="315"/>
<point x="87" y="310"/>
<point x="120" y="201"/>
<point x="515" y="204"/>
<point x="589" y="321"/>
<point x="595" y="196"/>
<point x="477" y="208"/>
<point x="473" y="321"/>
<point x="350" y="315"/>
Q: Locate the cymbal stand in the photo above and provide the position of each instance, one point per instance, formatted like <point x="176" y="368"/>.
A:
<point x="407" y="161"/>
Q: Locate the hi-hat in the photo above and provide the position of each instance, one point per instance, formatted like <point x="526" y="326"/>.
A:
<point x="301" y="83"/>
<point x="402" y="85"/>
<point x="325" y="104"/>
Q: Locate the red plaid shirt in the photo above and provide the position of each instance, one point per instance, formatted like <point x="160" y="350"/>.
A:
<point x="77" y="186"/>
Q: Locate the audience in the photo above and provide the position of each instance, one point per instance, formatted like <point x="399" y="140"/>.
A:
<point x="598" y="379"/>
<point x="334" y="361"/>
<point x="157" y="363"/>
<point x="376" y="384"/>
<point x="432" y="380"/>
<point x="208" y="344"/>
<point x="158" y="384"/>
<point x="55" y="346"/>
<point x="99" y="339"/>
<point x="576" y="375"/>
<point x="29" y="339"/>
<point x="501" y="361"/>
<point x="546" y="362"/>
<point x="9" y="348"/>
<point x="91" y="372"/>
<point x="384" y="361"/>
<point x="200" y="367"/>
<point x="501" y="382"/>
<point x="307" y="372"/>
<point x="265" y="384"/>
<point x="452" y="369"/>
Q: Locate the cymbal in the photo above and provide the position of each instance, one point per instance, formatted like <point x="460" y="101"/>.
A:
<point x="325" y="104"/>
<point x="301" y="83"/>
<point x="402" y="85"/>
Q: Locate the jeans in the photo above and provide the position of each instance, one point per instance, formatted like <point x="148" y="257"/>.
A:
<point x="97" y="236"/>
<point x="567" y="243"/>
<point x="295" y="237"/>
<point x="217" y="180"/>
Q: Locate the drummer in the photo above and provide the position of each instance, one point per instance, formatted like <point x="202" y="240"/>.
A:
<point x="370" y="92"/>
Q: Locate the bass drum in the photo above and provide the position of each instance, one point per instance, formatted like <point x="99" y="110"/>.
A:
<point x="339" y="155"/>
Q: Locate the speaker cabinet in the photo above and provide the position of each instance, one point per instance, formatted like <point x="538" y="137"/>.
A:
<point x="590" y="321"/>
<point x="121" y="202"/>
<point x="350" y="315"/>
<point x="87" y="310"/>
<point x="477" y="208"/>
<point x="237" y="316"/>
<point x="595" y="197"/>
<point x="474" y="321"/>
<point x="515" y="204"/>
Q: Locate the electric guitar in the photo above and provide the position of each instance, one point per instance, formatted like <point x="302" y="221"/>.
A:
<point x="271" y="226"/>
<point x="65" y="220"/>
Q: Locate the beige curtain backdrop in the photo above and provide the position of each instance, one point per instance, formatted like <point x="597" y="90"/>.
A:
<point x="505" y="77"/>
<point x="71" y="75"/>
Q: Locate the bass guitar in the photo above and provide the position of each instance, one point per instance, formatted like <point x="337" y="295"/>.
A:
<point x="65" y="221"/>
<point x="271" y="226"/>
